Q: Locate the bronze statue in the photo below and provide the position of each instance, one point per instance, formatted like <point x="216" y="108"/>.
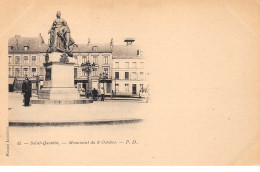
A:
<point x="60" y="38"/>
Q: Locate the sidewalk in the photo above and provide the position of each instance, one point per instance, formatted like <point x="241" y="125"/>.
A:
<point x="128" y="99"/>
<point x="96" y="113"/>
<point x="136" y="99"/>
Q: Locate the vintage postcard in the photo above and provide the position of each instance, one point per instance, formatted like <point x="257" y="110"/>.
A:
<point x="130" y="82"/>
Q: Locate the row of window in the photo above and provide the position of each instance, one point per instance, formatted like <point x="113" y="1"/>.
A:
<point x="127" y="87"/>
<point x="95" y="72"/>
<point x="17" y="60"/>
<point x="95" y="59"/>
<point x="25" y="48"/>
<point x="133" y="76"/>
<point x="126" y="65"/>
<point x="25" y="72"/>
<point x="117" y="76"/>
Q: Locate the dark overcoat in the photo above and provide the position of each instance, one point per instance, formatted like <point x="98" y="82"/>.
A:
<point x="27" y="88"/>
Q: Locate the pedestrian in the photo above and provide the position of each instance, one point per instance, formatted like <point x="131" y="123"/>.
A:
<point x="112" y="94"/>
<point x="94" y="94"/>
<point x="98" y="94"/>
<point x="27" y="91"/>
<point x="140" y="93"/>
<point x="87" y="93"/>
<point x="102" y="92"/>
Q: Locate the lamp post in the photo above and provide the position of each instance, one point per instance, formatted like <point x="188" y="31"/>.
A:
<point x="87" y="67"/>
<point x="102" y="77"/>
<point x="115" y="85"/>
<point x="37" y="84"/>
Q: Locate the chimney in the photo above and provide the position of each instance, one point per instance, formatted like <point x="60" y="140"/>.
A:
<point x="17" y="36"/>
<point x="129" y="41"/>
<point x="41" y="39"/>
<point x="16" y="41"/>
<point x="111" y="43"/>
<point x="88" y="41"/>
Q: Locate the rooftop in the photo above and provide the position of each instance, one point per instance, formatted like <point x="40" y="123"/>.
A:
<point x="20" y="44"/>
<point x="26" y="45"/>
<point x="125" y="51"/>
<point x="92" y="48"/>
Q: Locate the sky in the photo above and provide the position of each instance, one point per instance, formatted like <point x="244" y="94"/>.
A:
<point x="175" y="33"/>
<point x="99" y="21"/>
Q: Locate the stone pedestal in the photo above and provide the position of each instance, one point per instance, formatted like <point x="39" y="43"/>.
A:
<point x="58" y="87"/>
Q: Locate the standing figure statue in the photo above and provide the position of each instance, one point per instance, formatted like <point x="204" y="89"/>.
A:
<point x="60" y="38"/>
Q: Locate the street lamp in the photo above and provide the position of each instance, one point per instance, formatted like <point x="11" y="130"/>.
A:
<point x="87" y="67"/>
<point x="102" y="77"/>
<point x="115" y="85"/>
<point x="37" y="84"/>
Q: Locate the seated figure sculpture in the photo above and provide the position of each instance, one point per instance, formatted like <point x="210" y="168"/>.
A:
<point x="60" y="38"/>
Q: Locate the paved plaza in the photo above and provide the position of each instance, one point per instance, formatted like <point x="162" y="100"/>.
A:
<point x="98" y="112"/>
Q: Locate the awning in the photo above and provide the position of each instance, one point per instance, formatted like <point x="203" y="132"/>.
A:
<point x="81" y="79"/>
<point x="22" y="79"/>
<point x="10" y="80"/>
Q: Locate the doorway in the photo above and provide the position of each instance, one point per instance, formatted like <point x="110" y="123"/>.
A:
<point x="133" y="88"/>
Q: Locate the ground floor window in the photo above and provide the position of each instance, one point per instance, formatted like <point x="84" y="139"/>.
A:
<point x="126" y="75"/>
<point x="106" y="70"/>
<point x="133" y="88"/>
<point x="9" y="71"/>
<point x="34" y="71"/>
<point x="17" y="72"/>
<point x="133" y="76"/>
<point x="25" y="71"/>
<point x="41" y="71"/>
<point x="95" y="72"/>
<point x="126" y="87"/>
<point x="141" y="76"/>
<point x="142" y="87"/>
<point x="117" y="87"/>
<point x="34" y="86"/>
<point x="75" y="72"/>
<point x="95" y="84"/>
<point x="116" y="75"/>
<point x="79" y="86"/>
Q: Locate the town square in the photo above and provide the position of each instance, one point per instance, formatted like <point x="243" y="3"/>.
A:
<point x="58" y="72"/>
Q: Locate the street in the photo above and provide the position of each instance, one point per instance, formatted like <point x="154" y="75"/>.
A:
<point x="97" y="111"/>
<point x="45" y="139"/>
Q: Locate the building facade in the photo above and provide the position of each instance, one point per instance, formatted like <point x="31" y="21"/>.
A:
<point x="120" y="68"/>
<point x="128" y="68"/>
<point x="25" y="59"/>
<point x="99" y="75"/>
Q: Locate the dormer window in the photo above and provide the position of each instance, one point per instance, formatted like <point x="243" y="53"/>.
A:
<point x="10" y="48"/>
<point x="26" y="48"/>
<point x="138" y="53"/>
<point x="94" y="48"/>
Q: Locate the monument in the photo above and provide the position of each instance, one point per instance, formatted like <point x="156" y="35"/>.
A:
<point x="58" y="87"/>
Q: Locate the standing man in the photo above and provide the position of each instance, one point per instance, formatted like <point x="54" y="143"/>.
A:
<point x="112" y="94"/>
<point x="102" y="92"/>
<point x="27" y="91"/>
<point x="94" y="93"/>
<point x="140" y="93"/>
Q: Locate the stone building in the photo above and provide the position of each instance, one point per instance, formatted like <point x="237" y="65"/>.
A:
<point x="100" y="75"/>
<point x="120" y="68"/>
<point x="25" y="58"/>
<point x="128" y="68"/>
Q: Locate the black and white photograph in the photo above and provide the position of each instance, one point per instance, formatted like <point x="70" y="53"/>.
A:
<point x="137" y="82"/>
